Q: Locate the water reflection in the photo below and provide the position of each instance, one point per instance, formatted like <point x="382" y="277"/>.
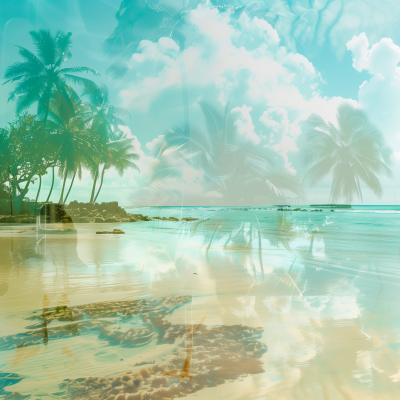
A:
<point x="303" y="301"/>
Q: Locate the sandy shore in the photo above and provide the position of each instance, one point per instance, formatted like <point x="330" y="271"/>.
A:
<point x="316" y="343"/>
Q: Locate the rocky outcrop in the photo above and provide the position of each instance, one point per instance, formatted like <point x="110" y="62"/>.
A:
<point x="115" y="231"/>
<point x="19" y="219"/>
<point x="101" y="213"/>
<point x="175" y="219"/>
<point x="76" y="212"/>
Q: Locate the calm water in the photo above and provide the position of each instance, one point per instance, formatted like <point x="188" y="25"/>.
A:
<point x="242" y="304"/>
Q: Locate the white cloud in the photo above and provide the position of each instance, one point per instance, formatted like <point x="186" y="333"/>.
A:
<point x="380" y="95"/>
<point x="244" y="123"/>
<point x="382" y="58"/>
<point x="155" y="143"/>
<point x="236" y="61"/>
<point x="283" y="134"/>
<point x="224" y="57"/>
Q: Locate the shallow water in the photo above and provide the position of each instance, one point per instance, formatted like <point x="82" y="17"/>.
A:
<point x="243" y="303"/>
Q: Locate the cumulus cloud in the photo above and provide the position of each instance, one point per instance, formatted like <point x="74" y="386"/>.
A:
<point x="382" y="58"/>
<point x="231" y="61"/>
<point x="244" y="123"/>
<point x="380" y="95"/>
<point x="283" y="134"/>
<point x="240" y="58"/>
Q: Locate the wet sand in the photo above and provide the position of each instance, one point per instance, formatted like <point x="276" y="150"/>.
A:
<point x="159" y="312"/>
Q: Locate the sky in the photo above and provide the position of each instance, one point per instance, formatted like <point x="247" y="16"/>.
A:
<point x="309" y="57"/>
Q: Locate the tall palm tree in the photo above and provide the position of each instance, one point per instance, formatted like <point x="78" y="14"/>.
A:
<point x="99" y="110"/>
<point x="118" y="154"/>
<point x="353" y="151"/>
<point x="77" y="147"/>
<point x="39" y="78"/>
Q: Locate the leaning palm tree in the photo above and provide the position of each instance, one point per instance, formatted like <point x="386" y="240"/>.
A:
<point x="119" y="155"/>
<point x="43" y="76"/>
<point x="353" y="151"/>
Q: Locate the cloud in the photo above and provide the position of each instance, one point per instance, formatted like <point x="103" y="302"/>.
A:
<point x="234" y="58"/>
<point x="382" y="58"/>
<point x="283" y="134"/>
<point x="380" y="95"/>
<point x="244" y="123"/>
<point x="231" y="61"/>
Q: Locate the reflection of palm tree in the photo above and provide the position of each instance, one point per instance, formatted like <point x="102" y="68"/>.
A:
<point x="352" y="151"/>
<point x="235" y="229"/>
<point x="41" y="77"/>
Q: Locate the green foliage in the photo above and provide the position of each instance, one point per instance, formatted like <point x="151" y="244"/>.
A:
<point x="41" y="78"/>
<point x="66" y="132"/>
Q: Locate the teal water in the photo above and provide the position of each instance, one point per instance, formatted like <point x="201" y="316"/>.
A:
<point x="267" y="303"/>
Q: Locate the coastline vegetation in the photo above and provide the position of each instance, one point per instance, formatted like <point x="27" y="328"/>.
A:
<point x="65" y="124"/>
<point x="68" y="133"/>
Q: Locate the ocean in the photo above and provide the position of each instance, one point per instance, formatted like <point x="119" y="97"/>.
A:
<point x="241" y="302"/>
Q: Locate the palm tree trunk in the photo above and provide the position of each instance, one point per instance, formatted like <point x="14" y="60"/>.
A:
<point x="209" y="245"/>
<point x="101" y="183"/>
<point x="94" y="184"/>
<point x="70" y="187"/>
<point x="40" y="186"/>
<point x="51" y="189"/>
<point x="63" y="187"/>
<point x="311" y="245"/>
<point x="260" y="250"/>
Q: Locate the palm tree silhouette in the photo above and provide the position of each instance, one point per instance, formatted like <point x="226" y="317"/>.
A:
<point x="100" y="111"/>
<point x="41" y="77"/>
<point x="118" y="154"/>
<point x="77" y="146"/>
<point x="234" y="167"/>
<point x="353" y="151"/>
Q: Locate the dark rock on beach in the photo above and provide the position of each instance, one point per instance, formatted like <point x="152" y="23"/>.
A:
<point x="175" y="219"/>
<point x="115" y="231"/>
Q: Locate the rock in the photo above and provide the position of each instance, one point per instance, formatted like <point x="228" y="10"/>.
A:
<point x="189" y="219"/>
<point x="138" y="217"/>
<point x="115" y="231"/>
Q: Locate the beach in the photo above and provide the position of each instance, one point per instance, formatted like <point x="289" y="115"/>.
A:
<point x="241" y="303"/>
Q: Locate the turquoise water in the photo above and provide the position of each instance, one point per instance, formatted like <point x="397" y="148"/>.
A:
<point x="245" y="303"/>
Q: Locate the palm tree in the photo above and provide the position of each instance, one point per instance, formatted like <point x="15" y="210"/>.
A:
<point x="118" y="155"/>
<point x="233" y="166"/>
<point x="77" y="146"/>
<point x="100" y="111"/>
<point x="353" y="151"/>
<point x="40" y="78"/>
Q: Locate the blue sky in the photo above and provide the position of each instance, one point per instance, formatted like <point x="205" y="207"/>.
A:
<point x="307" y="57"/>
